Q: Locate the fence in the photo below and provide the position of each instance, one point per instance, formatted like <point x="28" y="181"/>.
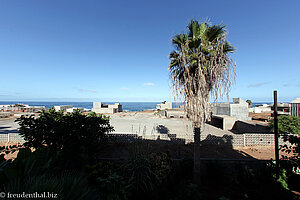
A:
<point x="247" y="139"/>
<point x="11" y="137"/>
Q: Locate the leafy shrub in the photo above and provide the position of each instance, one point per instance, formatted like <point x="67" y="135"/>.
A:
<point x="100" y="170"/>
<point x="146" y="171"/>
<point x="76" y="135"/>
<point x="114" y="187"/>
<point x="35" y="172"/>
<point x="289" y="126"/>
<point x="188" y="191"/>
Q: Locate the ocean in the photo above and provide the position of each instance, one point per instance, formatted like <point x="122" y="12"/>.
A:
<point x="127" y="106"/>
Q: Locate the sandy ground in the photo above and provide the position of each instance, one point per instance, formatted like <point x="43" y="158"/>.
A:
<point x="8" y="125"/>
<point x="260" y="116"/>
<point x="260" y="152"/>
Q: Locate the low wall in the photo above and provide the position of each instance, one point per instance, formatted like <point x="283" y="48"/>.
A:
<point x="11" y="137"/>
<point x="253" y="139"/>
<point x="249" y="139"/>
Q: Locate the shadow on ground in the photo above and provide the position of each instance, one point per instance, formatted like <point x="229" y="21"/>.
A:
<point x="213" y="147"/>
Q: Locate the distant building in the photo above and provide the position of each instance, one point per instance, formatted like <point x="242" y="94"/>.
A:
<point x="238" y="109"/>
<point x="164" y="105"/>
<point x="264" y="108"/>
<point x="9" y="108"/>
<point x="295" y="107"/>
<point x="63" y="108"/>
<point x="21" y="108"/>
<point x="100" y="107"/>
<point x="282" y="109"/>
<point x="70" y="110"/>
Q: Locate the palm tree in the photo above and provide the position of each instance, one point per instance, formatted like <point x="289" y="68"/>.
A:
<point x="200" y="68"/>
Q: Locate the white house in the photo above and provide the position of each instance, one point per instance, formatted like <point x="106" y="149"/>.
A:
<point x="164" y="105"/>
<point x="100" y="107"/>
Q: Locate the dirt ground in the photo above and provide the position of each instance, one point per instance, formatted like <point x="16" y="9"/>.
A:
<point x="260" y="152"/>
<point x="179" y="151"/>
<point x="260" y="116"/>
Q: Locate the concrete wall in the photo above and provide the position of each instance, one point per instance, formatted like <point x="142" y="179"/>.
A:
<point x="11" y="137"/>
<point x="238" y="109"/>
<point x="251" y="139"/>
<point x="223" y="122"/>
<point x="175" y="113"/>
<point x="221" y="109"/>
<point x="248" y="127"/>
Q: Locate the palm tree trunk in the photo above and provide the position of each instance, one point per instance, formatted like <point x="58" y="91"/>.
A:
<point x="197" y="132"/>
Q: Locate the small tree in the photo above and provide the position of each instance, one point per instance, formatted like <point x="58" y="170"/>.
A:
<point x="72" y="134"/>
<point x="249" y="103"/>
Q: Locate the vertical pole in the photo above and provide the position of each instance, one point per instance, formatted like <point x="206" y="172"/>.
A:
<point x="197" y="133"/>
<point x="276" y="135"/>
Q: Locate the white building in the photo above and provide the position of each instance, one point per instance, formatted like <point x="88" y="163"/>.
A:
<point x="63" y="108"/>
<point x="21" y="108"/>
<point x="295" y="107"/>
<point x="100" y="107"/>
<point x="264" y="108"/>
<point x="70" y="110"/>
<point x="164" y="105"/>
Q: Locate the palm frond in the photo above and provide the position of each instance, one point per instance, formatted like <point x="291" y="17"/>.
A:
<point x="201" y="67"/>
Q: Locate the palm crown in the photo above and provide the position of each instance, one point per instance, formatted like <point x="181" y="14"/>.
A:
<point x="200" y="66"/>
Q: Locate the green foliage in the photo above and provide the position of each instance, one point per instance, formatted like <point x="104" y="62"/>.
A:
<point x="100" y="170"/>
<point x="201" y="67"/>
<point x="283" y="179"/>
<point x="189" y="191"/>
<point x="114" y="187"/>
<point x="146" y="171"/>
<point x="288" y="124"/>
<point x="36" y="172"/>
<point x="74" y="134"/>
<point x="249" y="102"/>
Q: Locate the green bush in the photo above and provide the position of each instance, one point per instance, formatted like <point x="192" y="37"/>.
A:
<point x="114" y="187"/>
<point x="289" y="126"/>
<point x="75" y="135"/>
<point x="37" y="172"/>
<point x="146" y="171"/>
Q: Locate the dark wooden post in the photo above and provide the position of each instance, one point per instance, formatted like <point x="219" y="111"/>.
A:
<point x="197" y="132"/>
<point x="276" y="135"/>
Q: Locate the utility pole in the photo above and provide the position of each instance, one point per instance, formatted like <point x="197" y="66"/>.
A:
<point x="276" y="134"/>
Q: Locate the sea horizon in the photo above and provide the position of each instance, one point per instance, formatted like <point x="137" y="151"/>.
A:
<point x="127" y="106"/>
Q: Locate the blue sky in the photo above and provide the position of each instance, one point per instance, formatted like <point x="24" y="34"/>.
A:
<point x="116" y="50"/>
